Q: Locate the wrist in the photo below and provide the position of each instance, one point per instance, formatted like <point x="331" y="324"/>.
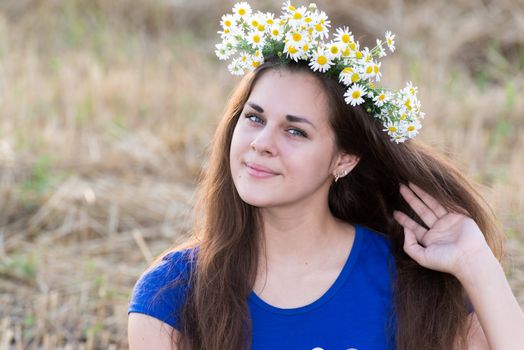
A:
<point x="475" y="268"/>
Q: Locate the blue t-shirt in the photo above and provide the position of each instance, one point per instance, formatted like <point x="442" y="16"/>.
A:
<point x="355" y="313"/>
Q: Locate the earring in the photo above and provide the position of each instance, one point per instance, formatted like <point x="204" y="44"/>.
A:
<point x="338" y="176"/>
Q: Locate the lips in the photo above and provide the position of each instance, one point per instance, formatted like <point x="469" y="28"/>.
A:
<point x="258" y="170"/>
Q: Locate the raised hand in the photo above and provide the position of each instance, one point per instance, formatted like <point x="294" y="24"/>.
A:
<point x="452" y="241"/>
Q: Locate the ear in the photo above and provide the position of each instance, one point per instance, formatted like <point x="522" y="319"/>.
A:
<point x="345" y="162"/>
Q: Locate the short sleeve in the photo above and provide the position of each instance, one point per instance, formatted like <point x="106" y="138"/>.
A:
<point x="161" y="290"/>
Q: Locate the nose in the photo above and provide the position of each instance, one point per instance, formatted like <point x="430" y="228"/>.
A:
<point x="264" y="142"/>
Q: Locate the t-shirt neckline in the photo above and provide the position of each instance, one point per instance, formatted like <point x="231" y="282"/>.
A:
<point x="332" y="290"/>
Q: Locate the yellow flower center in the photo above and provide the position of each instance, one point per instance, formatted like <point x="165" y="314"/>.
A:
<point x="411" y="128"/>
<point x="292" y="50"/>
<point x="355" y="94"/>
<point x="256" y="39"/>
<point x="254" y="23"/>
<point x="270" y="21"/>
<point x="352" y="46"/>
<point x="408" y="104"/>
<point x="390" y="42"/>
<point x="369" y="70"/>
<point x="226" y="31"/>
<point x="297" y="37"/>
<point x="403" y="116"/>
<point x="308" y="20"/>
<point x="359" y="54"/>
<point x="242" y="12"/>
<point x="275" y="32"/>
<point x="355" y="77"/>
<point x="392" y="129"/>
<point x="382" y="97"/>
<point x="346" y="52"/>
<point x="256" y="64"/>
<point x="291" y="8"/>
<point x="371" y="85"/>
<point x="305" y="47"/>
<point x="412" y="91"/>
<point x="346" y="38"/>
<point x="334" y="49"/>
<point x="297" y="15"/>
<point x="375" y="68"/>
<point x="347" y="70"/>
<point x="322" y="60"/>
<point x="261" y="28"/>
<point x="227" y="23"/>
<point x="319" y="27"/>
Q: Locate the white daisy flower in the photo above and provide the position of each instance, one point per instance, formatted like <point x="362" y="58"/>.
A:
<point x="334" y="50"/>
<point x="366" y="55"/>
<point x="321" y="25"/>
<point x="369" y="72"/>
<point x="410" y="89"/>
<point x="276" y="32"/>
<point x="355" y="95"/>
<point x="399" y="138"/>
<point x="255" y="20"/>
<point x="390" y="41"/>
<point x="293" y="52"/>
<point x="296" y="38"/>
<point x="344" y="36"/>
<point x="287" y="7"/>
<point x="254" y="62"/>
<point x="241" y="10"/>
<point x="320" y="60"/>
<point x="345" y="76"/>
<point x="297" y="17"/>
<point x="413" y="129"/>
<point x="236" y="67"/>
<point x="349" y="76"/>
<point x="376" y="70"/>
<point x="223" y="51"/>
<point x="227" y="21"/>
<point x="382" y="98"/>
<point x="230" y="34"/>
<point x="269" y="18"/>
<point x="393" y="128"/>
<point x="256" y="39"/>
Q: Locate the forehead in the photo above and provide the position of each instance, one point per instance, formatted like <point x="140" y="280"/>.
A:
<point x="283" y="92"/>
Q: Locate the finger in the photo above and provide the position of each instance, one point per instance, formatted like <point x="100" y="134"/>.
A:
<point x="413" y="248"/>
<point x="408" y="222"/>
<point x="431" y="202"/>
<point x="422" y="210"/>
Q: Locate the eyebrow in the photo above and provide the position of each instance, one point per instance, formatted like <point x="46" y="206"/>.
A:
<point x="289" y="117"/>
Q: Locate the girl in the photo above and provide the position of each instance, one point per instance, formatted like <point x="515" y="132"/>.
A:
<point x="315" y="231"/>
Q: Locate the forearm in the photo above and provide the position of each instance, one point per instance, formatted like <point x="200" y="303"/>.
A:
<point x="498" y="311"/>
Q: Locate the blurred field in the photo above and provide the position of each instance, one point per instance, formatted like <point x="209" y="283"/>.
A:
<point x="107" y="107"/>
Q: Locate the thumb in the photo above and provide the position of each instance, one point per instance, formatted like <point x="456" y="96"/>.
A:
<point x="413" y="248"/>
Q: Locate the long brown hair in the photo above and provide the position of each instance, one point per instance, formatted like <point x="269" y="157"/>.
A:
<point x="430" y="306"/>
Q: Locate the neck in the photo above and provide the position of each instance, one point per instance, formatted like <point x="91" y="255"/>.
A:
<point x="299" y="234"/>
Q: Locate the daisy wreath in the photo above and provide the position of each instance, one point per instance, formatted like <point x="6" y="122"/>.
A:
<point x="298" y="34"/>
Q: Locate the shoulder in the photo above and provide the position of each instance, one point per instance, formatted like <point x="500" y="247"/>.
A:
<point x="376" y="240"/>
<point x="161" y="289"/>
<point x="376" y="250"/>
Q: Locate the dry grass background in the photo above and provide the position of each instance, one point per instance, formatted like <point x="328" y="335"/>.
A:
<point x="107" y="107"/>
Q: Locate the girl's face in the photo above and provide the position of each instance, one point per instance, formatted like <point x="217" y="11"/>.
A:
<point x="283" y="149"/>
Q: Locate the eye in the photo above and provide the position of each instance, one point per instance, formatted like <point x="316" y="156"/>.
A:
<point x="254" y="118"/>
<point x="297" y="132"/>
